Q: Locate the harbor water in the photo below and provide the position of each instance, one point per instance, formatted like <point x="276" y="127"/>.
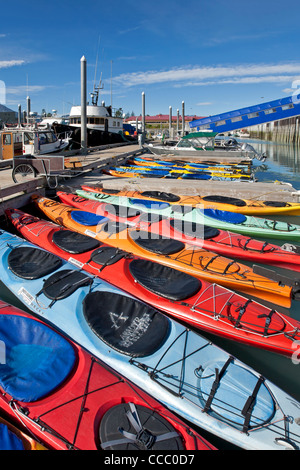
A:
<point x="282" y="164"/>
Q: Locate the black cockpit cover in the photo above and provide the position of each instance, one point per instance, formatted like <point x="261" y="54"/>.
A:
<point x="117" y="420"/>
<point x="225" y="200"/>
<point x="164" y="281"/>
<point x="125" y="324"/>
<point x="193" y="229"/>
<point x="275" y="203"/>
<point x="32" y="263"/>
<point x="121" y="211"/>
<point x="157" y="243"/>
<point x="107" y="255"/>
<point x="73" y="242"/>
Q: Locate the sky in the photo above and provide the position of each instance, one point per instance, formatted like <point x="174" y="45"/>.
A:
<point x="216" y="56"/>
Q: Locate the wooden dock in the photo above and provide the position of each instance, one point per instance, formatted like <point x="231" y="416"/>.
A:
<point x="88" y="170"/>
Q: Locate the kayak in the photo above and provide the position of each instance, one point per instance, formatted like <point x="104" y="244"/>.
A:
<point x="203" y="305"/>
<point x="71" y="400"/>
<point x="173" y="253"/>
<point x="188" y="374"/>
<point x="239" y="223"/>
<point x="222" y="242"/>
<point x="186" y="168"/>
<point x="12" y="438"/>
<point x="182" y="173"/>
<point x="230" y="204"/>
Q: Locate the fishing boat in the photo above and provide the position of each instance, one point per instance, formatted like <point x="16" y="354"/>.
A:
<point x="188" y="374"/>
<point x="202" y="143"/>
<point x="70" y="400"/>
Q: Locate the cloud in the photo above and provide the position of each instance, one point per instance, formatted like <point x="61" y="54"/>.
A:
<point x="10" y="63"/>
<point x="25" y="90"/>
<point x="194" y="76"/>
<point x="207" y="103"/>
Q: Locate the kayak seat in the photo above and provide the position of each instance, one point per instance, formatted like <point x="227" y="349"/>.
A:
<point x="134" y="427"/>
<point x="229" y="402"/>
<point x="87" y="218"/>
<point x="73" y="242"/>
<point x="148" y="205"/>
<point x="167" y="197"/>
<point x="159" y="244"/>
<point x="37" y="361"/>
<point x="225" y="200"/>
<point x="107" y="255"/>
<point x="32" y="263"/>
<point x="164" y="281"/>
<point x="63" y="283"/>
<point x="121" y="211"/>
<point x="193" y="229"/>
<point x="225" y="216"/>
<point x="125" y="324"/>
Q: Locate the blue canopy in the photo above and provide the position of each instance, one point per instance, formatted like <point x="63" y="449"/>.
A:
<point x="35" y="359"/>
<point x="225" y="216"/>
<point x="88" y="218"/>
<point x="8" y="440"/>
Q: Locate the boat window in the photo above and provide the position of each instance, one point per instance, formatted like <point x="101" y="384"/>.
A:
<point x="184" y="143"/>
<point x="50" y="137"/>
<point x="91" y="120"/>
<point x="236" y="119"/>
<point x="28" y="138"/>
<point x="221" y="123"/>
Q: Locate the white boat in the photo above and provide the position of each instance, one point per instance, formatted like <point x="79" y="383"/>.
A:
<point x="202" y="143"/>
<point x="30" y="140"/>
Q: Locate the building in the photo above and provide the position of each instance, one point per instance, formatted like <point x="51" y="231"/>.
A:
<point x="159" y="121"/>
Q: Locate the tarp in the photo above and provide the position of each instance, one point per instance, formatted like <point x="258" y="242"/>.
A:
<point x="225" y="216"/>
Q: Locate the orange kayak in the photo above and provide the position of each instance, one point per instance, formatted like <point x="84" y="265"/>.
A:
<point x="224" y="203"/>
<point x="169" y="252"/>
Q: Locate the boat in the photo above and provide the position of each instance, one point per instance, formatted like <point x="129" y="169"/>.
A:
<point x="173" y="253"/>
<point x="202" y="383"/>
<point x="71" y="400"/>
<point x="99" y="117"/>
<point x="31" y="140"/>
<point x="202" y="305"/>
<point x="216" y="202"/>
<point x="202" y="143"/>
<point x="222" y="242"/>
<point x="14" y="439"/>
<point x="250" y="226"/>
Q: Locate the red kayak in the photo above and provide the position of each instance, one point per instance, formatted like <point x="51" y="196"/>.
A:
<point x="223" y="242"/>
<point x="203" y="305"/>
<point x="70" y="400"/>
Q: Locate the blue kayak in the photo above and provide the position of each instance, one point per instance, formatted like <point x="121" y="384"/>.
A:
<point x="191" y="376"/>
